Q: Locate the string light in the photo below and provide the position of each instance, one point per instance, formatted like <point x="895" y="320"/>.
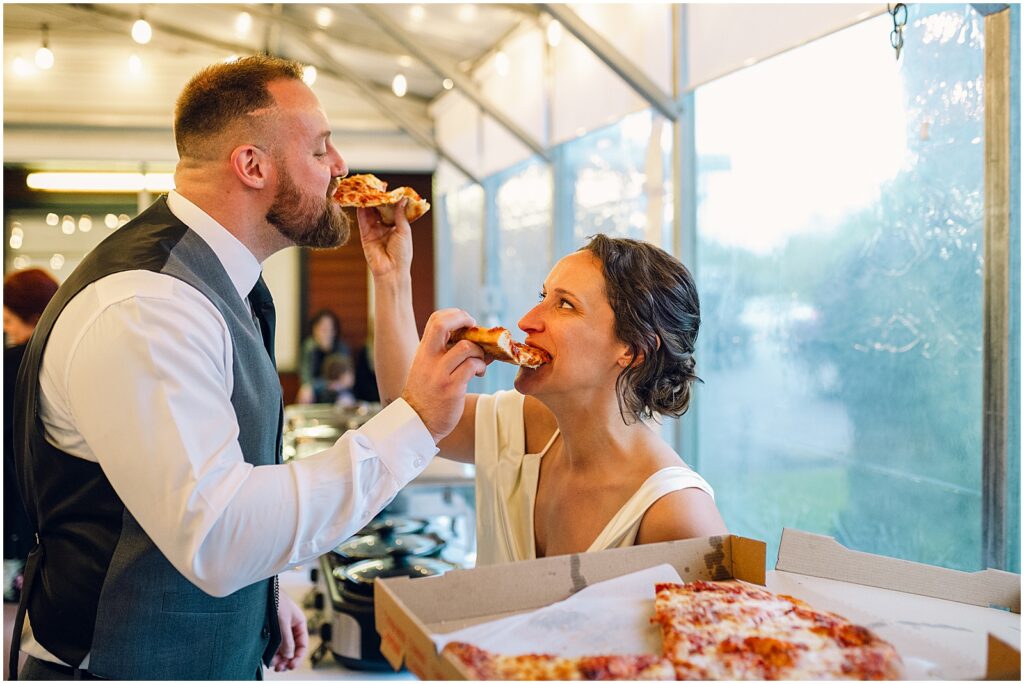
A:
<point x="417" y="13"/>
<point x="447" y="84"/>
<point x="309" y="74"/>
<point x="84" y="223"/>
<point x="142" y="32"/>
<point x="110" y="221"/>
<point x="324" y="17"/>
<point x="44" y="56"/>
<point x="134" y="64"/>
<point x="243" y="24"/>
<point x="399" y="86"/>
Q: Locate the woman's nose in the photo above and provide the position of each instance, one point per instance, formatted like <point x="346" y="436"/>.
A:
<point x="531" y="322"/>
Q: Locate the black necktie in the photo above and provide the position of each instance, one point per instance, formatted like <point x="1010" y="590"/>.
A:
<point x="263" y="313"/>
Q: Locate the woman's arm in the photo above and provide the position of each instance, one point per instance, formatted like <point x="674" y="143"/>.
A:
<point x="388" y="251"/>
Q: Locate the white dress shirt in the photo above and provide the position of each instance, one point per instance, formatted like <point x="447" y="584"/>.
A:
<point x="137" y="376"/>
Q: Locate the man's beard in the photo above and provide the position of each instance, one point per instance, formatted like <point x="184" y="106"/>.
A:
<point x="306" y="221"/>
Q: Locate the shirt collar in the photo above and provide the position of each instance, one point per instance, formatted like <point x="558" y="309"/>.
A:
<point x="240" y="264"/>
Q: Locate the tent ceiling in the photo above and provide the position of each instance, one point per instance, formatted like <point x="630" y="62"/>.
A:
<point x="90" y="84"/>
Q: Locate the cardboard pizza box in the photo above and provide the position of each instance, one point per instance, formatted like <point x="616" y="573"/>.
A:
<point x="936" y="612"/>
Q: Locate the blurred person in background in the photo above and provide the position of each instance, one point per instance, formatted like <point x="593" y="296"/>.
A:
<point x="26" y="294"/>
<point x="149" y="411"/>
<point x="323" y="341"/>
<point x="339" y="378"/>
<point x="365" y="388"/>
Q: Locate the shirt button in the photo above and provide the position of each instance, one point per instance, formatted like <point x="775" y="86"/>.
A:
<point x="418" y="462"/>
<point x="265" y="633"/>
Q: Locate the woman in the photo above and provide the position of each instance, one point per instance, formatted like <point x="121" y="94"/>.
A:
<point x="566" y="463"/>
<point x="324" y="340"/>
<point x="26" y="294"/>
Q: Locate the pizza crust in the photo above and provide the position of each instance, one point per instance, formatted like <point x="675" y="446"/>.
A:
<point x="366" y="190"/>
<point x="479" y="664"/>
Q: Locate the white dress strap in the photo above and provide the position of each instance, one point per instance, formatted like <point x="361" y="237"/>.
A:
<point x="622" y="529"/>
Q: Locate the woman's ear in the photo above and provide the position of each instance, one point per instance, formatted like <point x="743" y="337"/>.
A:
<point x="626" y="358"/>
<point x="251" y="165"/>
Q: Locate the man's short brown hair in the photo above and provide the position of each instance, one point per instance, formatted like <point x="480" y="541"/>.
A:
<point x="223" y="93"/>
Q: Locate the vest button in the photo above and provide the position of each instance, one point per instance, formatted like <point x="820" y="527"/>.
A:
<point x="265" y="633"/>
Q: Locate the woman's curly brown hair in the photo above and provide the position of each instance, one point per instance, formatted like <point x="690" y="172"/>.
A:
<point x="657" y="313"/>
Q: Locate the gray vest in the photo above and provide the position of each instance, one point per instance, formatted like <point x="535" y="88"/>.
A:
<point x="100" y="584"/>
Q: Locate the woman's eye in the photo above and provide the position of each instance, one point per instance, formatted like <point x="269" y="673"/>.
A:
<point x="541" y="296"/>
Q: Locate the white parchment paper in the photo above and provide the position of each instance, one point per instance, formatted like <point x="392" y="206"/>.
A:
<point x="610" y="617"/>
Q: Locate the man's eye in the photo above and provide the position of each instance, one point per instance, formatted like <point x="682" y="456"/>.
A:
<point x="565" y="303"/>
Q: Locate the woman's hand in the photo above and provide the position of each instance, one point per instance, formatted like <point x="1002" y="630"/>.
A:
<point x="388" y="249"/>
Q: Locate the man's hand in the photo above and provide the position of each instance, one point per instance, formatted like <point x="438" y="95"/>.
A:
<point x="436" y="385"/>
<point x="294" y="636"/>
<point x="388" y="249"/>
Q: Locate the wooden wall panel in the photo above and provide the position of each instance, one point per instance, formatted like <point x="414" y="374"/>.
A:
<point x="337" y="279"/>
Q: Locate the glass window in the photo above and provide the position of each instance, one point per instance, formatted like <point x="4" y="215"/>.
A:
<point x="619" y="179"/>
<point x="523" y="250"/>
<point x="464" y="211"/>
<point x="840" y="228"/>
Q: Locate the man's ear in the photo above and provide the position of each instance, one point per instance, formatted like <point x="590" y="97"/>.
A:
<point x="251" y="165"/>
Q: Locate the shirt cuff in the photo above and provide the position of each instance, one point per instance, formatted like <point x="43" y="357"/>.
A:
<point x="400" y="440"/>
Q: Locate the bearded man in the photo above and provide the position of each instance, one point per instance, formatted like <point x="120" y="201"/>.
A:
<point x="148" y="428"/>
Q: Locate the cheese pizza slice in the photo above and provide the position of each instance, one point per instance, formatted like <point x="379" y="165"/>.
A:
<point x="479" y="664"/>
<point x="498" y="343"/>
<point x="731" y="630"/>
<point x="366" y="190"/>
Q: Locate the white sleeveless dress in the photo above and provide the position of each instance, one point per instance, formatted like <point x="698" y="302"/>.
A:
<point x="506" y="486"/>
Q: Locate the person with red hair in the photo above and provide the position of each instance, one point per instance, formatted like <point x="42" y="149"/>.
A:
<point x="26" y="294"/>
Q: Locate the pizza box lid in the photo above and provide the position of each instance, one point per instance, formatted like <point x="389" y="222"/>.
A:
<point x="865" y="588"/>
<point x="946" y="624"/>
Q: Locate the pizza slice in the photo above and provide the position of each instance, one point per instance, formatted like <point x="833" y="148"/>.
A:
<point x="366" y="190"/>
<point x="731" y="630"/>
<point x="498" y="343"/>
<point x="479" y="664"/>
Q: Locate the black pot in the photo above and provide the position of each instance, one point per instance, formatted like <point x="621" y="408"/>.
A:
<point x="387" y="545"/>
<point x="356" y="617"/>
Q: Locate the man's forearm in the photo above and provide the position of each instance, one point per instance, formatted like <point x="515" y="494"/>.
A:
<point x="395" y="337"/>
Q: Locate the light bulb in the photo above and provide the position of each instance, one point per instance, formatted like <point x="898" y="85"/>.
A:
<point x="417" y="13"/>
<point x="447" y="84"/>
<point x="399" y="86"/>
<point x="44" y="58"/>
<point x="324" y="17"/>
<point x="309" y="74"/>
<point x="57" y="262"/>
<point x="52" y="219"/>
<point x="85" y="223"/>
<point x="467" y="13"/>
<point x="134" y="65"/>
<point x="110" y="221"/>
<point x="67" y="226"/>
<point x="142" y="32"/>
<point x="243" y="24"/>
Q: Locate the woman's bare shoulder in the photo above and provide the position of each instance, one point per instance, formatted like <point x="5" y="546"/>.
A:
<point x="681" y="514"/>
<point x="538" y="423"/>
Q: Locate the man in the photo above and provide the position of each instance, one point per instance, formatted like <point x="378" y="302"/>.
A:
<point x="150" y="410"/>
